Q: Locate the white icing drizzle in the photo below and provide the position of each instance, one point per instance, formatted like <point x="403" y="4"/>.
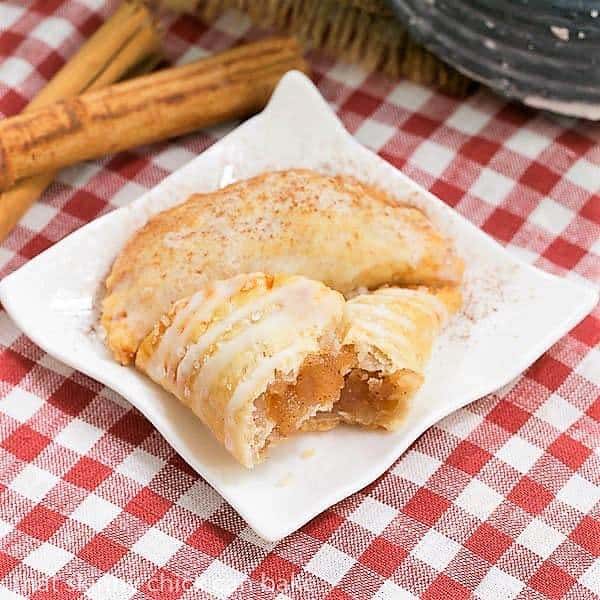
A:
<point x="212" y="335"/>
<point x="382" y="326"/>
<point x="243" y="346"/>
<point x="177" y="333"/>
<point x="250" y="340"/>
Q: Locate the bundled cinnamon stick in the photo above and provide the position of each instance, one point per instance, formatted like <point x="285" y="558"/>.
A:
<point x="128" y="42"/>
<point x="171" y="102"/>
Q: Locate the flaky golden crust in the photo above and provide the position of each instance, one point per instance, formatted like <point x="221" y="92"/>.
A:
<point x="332" y="229"/>
<point x="245" y="353"/>
<point x="391" y="332"/>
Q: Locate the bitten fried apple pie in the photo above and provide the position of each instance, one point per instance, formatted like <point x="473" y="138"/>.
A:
<point x="292" y="301"/>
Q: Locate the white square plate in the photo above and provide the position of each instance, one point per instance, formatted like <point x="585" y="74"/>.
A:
<point x="513" y="313"/>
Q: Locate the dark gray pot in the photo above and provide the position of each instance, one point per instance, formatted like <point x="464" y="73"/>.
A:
<point x="546" y="53"/>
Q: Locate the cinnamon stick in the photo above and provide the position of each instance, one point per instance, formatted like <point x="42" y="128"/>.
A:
<point x="126" y="40"/>
<point x="167" y="103"/>
<point x="130" y="29"/>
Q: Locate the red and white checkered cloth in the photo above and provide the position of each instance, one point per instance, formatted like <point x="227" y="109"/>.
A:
<point x="501" y="500"/>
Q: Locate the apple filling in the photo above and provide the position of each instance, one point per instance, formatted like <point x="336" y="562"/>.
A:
<point x="372" y="399"/>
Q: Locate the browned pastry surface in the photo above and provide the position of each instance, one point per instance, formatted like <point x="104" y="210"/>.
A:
<point x="332" y="229"/>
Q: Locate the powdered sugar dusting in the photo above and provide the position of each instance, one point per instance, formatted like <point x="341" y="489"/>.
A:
<point x="485" y="290"/>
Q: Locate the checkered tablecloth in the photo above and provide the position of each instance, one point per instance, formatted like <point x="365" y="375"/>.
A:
<point x="501" y="500"/>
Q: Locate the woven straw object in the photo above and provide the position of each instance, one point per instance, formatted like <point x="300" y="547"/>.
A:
<point x="361" y="31"/>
